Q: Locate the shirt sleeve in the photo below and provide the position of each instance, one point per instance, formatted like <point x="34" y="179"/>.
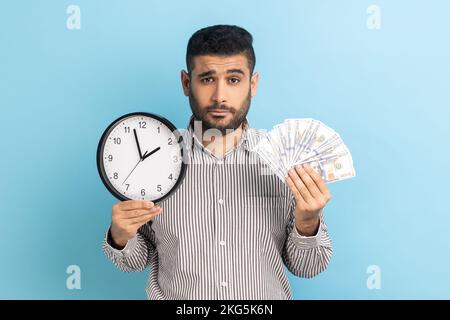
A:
<point x="306" y="256"/>
<point x="138" y="253"/>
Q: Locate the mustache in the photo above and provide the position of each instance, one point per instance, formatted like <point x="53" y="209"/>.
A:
<point x="217" y="106"/>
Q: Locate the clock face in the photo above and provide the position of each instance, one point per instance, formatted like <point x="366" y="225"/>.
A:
<point x="140" y="157"/>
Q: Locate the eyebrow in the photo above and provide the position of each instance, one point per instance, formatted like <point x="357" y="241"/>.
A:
<point x="211" y="72"/>
<point x="236" y="71"/>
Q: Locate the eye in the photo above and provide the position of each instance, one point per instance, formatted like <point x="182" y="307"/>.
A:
<point x="234" y="80"/>
<point x="207" y="80"/>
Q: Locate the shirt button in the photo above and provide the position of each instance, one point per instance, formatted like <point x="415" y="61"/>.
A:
<point x="223" y="284"/>
<point x="220" y="201"/>
<point x="222" y="243"/>
<point x="219" y="161"/>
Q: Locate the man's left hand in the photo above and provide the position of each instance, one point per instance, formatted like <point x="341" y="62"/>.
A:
<point x="311" y="195"/>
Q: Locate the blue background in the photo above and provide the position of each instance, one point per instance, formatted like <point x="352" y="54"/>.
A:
<point x="385" y="91"/>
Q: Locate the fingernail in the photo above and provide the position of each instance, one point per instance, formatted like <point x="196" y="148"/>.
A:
<point x="299" y="167"/>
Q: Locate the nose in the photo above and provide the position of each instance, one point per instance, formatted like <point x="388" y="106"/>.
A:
<point x="219" y="95"/>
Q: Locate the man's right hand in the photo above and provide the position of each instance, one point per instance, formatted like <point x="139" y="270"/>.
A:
<point x="128" y="216"/>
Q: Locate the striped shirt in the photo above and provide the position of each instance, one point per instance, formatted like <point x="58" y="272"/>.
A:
<point x="226" y="233"/>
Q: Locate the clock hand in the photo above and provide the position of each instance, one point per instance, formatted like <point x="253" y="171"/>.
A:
<point x="137" y="143"/>
<point x="142" y="159"/>
<point x="132" y="171"/>
<point x="152" y="152"/>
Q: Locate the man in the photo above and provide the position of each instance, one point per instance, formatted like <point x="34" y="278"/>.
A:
<point x="230" y="228"/>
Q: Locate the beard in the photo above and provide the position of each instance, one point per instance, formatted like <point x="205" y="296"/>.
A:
<point x="220" y="123"/>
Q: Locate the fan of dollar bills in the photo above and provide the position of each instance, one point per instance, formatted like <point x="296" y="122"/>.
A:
<point x="298" y="141"/>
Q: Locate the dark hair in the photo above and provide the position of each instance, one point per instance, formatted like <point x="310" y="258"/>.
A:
<point x="222" y="40"/>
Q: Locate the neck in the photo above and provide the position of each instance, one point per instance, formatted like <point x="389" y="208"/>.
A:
<point x="220" y="144"/>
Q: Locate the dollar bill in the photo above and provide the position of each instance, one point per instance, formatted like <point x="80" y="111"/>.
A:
<point x="306" y="140"/>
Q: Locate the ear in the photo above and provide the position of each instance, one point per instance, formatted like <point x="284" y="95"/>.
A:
<point x="254" y="83"/>
<point x="185" y="82"/>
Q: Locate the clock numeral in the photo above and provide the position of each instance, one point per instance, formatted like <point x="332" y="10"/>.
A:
<point x="110" y="158"/>
<point x="169" y="141"/>
<point x="142" y="124"/>
<point x="158" y="188"/>
<point x="128" y="185"/>
<point x="117" y="141"/>
<point x="175" y="159"/>
<point x="116" y="175"/>
<point x="170" y="177"/>
<point x="159" y="130"/>
<point x="127" y="129"/>
<point x="142" y="192"/>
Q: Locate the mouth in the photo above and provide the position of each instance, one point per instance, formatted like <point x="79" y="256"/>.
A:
<point x="219" y="112"/>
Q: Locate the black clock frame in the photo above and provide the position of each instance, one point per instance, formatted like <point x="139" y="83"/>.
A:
<point x="101" y="145"/>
